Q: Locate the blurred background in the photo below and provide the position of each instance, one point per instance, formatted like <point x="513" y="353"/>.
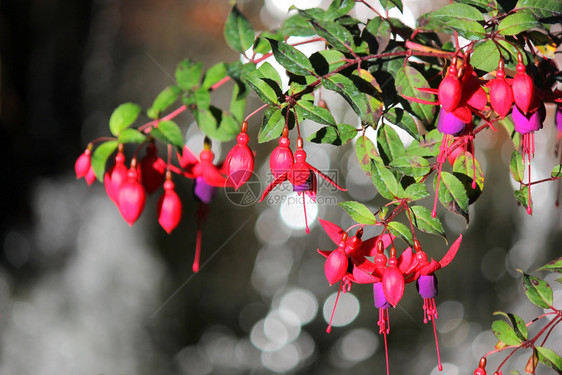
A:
<point x="83" y="293"/>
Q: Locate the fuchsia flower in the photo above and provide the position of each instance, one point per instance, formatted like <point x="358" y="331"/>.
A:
<point x="523" y="87"/>
<point x="281" y="159"/>
<point x="152" y="169"/>
<point x="301" y="175"/>
<point x="169" y="206"/>
<point x="83" y="163"/>
<point x="239" y="163"/>
<point x="132" y="196"/>
<point x="450" y="89"/>
<point x="115" y="176"/>
<point x="501" y="93"/>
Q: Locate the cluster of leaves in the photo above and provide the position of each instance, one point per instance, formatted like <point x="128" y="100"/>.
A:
<point x="515" y="335"/>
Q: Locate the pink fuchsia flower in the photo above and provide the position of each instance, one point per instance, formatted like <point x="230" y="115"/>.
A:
<point x="239" y="163"/>
<point x="132" y="196"/>
<point x="203" y="167"/>
<point x="523" y="87"/>
<point x="281" y="159"/>
<point x="302" y="176"/>
<point x="169" y="206"/>
<point x="152" y="169"/>
<point x="83" y="163"/>
<point x="115" y="176"/>
<point x="450" y="89"/>
<point x="501" y="94"/>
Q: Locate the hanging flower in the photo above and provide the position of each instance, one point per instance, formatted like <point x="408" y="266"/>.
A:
<point x="115" y="176"/>
<point x="152" y="169"/>
<point x="239" y="163"/>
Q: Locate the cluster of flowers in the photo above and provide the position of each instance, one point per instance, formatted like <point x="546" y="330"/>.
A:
<point x="349" y="263"/>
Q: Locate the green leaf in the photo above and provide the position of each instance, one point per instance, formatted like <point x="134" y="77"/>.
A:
<point x="467" y="169"/>
<point x="383" y="179"/>
<point x="365" y="151"/>
<point x="123" y="117"/>
<point x="237" y="105"/>
<point x="425" y="222"/>
<point x="238" y="31"/>
<point x="518" y="22"/>
<point x="100" y="156"/>
<point x="517" y="323"/>
<point x="522" y="196"/>
<point x="452" y="194"/>
<point x="411" y="165"/>
<point x="400" y="230"/>
<point x="557" y="171"/>
<point x="334" y="34"/>
<point x="188" y="74"/>
<point x="550" y="358"/>
<point x="338" y="8"/>
<point x="214" y="75"/>
<point x="267" y="71"/>
<point x="403" y="120"/>
<point x="131" y="136"/>
<point x="333" y="135"/>
<point x="172" y="133"/>
<point x="297" y="25"/>
<point x="389" y="4"/>
<point x="462" y="18"/>
<point x="541" y="8"/>
<point x="389" y="144"/>
<point x="428" y="147"/>
<point x="358" y="212"/>
<point x="266" y="88"/>
<point x="488" y="5"/>
<point x="553" y="266"/>
<point x="165" y="99"/>
<point x="538" y="291"/>
<point x="216" y="124"/>
<point x="505" y="333"/>
<point x="326" y="61"/>
<point x="315" y="113"/>
<point x="416" y="191"/>
<point x="408" y="80"/>
<point x="291" y="58"/>
<point x="516" y="166"/>
<point x="272" y="125"/>
<point x="485" y="56"/>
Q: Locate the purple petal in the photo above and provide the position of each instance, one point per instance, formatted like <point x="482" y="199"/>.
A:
<point x="427" y="286"/>
<point x="448" y="123"/>
<point x="203" y="191"/>
<point x="380" y="299"/>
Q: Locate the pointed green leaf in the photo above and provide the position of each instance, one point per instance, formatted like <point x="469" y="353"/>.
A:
<point x="427" y="147"/>
<point x="517" y="22"/>
<point x="365" y="151"/>
<point x="541" y="8"/>
<point x="334" y="34"/>
<point x="408" y="80"/>
<point x="517" y="323"/>
<point x="553" y="266"/>
<point x="505" y="333"/>
<point x="403" y="120"/>
<point x="172" y="133"/>
<point x="267" y="88"/>
<point x="131" y="136"/>
<point x="358" y="212"/>
<point x="214" y="75"/>
<point x="389" y="4"/>
<point x="188" y="74"/>
<point x="489" y="5"/>
<point x="333" y="135"/>
<point x="165" y="99"/>
<point x="389" y="144"/>
<point x="238" y="31"/>
<point x="383" y="179"/>
<point x="416" y="191"/>
<point x="291" y="58"/>
<point x="327" y="60"/>
<point x="522" y="196"/>
<point x="315" y="113"/>
<point x="467" y="169"/>
<point x="272" y="125"/>
<point x="237" y="105"/>
<point x="411" y="165"/>
<point x="423" y="220"/>
<point x="516" y="166"/>
<point x="550" y="358"/>
<point x="557" y="171"/>
<point x="216" y="124"/>
<point x="400" y="230"/>
<point x="100" y="156"/>
<point x="485" y="56"/>
<point x="338" y="8"/>
<point x="297" y="25"/>
<point x="538" y="291"/>
<point x="123" y="117"/>
<point x="452" y="194"/>
<point x="462" y="18"/>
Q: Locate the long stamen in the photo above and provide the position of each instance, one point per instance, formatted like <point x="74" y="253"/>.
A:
<point x="305" y="217"/>
<point x="197" y="251"/>
<point x="528" y="149"/>
<point x="329" y="329"/>
<point x="385" y="346"/>
<point x="440" y="159"/>
<point x="439" y="365"/>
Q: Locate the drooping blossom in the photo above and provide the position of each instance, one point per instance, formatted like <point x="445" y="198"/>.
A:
<point x="131" y="196"/>
<point x="239" y="162"/>
<point x="152" y="169"/>
<point x="169" y="208"/>
<point x="303" y="178"/>
<point x="115" y="176"/>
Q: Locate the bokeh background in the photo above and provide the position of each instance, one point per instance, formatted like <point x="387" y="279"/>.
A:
<point x="83" y="293"/>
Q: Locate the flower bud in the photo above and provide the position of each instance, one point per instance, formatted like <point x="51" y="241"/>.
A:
<point x="532" y="364"/>
<point x="336" y="266"/>
<point x="281" y="159"/>
<point x="450" y="89"/>
<point x="132" y="197"/>
<point x="501" y="94"/>
<point x="152" y="169"/>
<point x="523" y="87"/>
<point x="83" y="164"/>
<point x="239" y="162"/>
<point x="115" y="176"/>
<point x="169" y="207"/>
